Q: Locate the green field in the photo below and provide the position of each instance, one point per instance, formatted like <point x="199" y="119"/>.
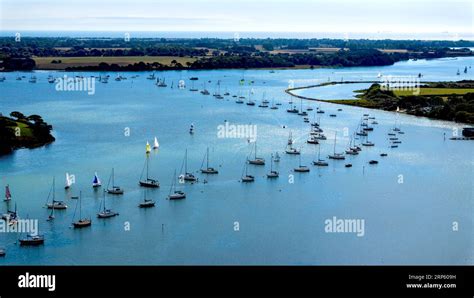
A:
<point x="434" y="91"/>
<point x="25" y="130"/>
<point x="45" y="62"/>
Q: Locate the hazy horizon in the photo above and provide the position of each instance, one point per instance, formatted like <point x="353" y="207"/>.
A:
<point x="403" y="19"/>
<point x="232" y="35"/>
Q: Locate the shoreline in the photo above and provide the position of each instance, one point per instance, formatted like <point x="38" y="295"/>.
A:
<point x="359" y="102"/>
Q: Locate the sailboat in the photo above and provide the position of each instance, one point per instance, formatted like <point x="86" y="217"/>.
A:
<point x="161" y="83"/>
<point x="106" y="213"/>
<point x="147" y="148"/>
<point x="96" y="182"/>
<point x="312" y="140"/>
<point x="60" y="205"/>
<point x="274" y="107"/>
<point x="114" y="190"/>
<point x="32" y="240"/>
<point x="319" y="110"/>
<point x="205" y="91"/>
<point x="353" y="150"/>
<point x="208" y="169"/>
<point x="264" y="103"/>
<point x="226" y="93"/>
<point x="11" y="217"/>
<point x="301" y="112"/>
<point x="217" y="94"/>
<point x="187" y="176"/>
<point x="301" y="168"/>
<point x="293" y="110"/>
<point x="8" y="195"/>
<point x="175" y="194"/>
<point x="81" y="222"/>
<point x="320" y="162"/>
<point x="258" y="161"/>
<point x="277" y="157"/>
<point x="193" y="89"/>
<point x="68" y="181"/>
<point x="250" y="102"/>
<point x="367" y="142"/>
<point x="147" y="203"/>
<point x="337" y="156"/>
<point x="148" y="182"/>
<point x="272" y="173"/>
<point x="247" y="178"/>
<point x="156" y="145"/>
<point x="290" y="149"/>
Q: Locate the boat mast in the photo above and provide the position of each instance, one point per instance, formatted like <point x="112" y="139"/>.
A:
<point x="104" y="202"/>
<point x="255" y="149"/>
<point x="207" y="157"/>
<point x="80" y="205"/>
<point x="173" y="181"/>
<point x="186" y="162"/>
<point x="54" y="191"/>
<point x="147" y="156"/>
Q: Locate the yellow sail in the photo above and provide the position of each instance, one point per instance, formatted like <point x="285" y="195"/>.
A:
<point x="148" y="147"/>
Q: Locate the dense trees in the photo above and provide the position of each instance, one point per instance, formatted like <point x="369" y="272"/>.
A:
<point x="457" y="107"/>
<point x="225" y="53"/>
<point x="10" y="63"/>
<point x="34" y="132"/>
<point x="80" y="47"/>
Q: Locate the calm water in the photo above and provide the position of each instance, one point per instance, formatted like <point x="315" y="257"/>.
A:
<point x="280" y="221"/>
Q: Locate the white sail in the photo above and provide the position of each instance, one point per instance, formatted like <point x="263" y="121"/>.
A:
<point x="156" y="145"/>
<point x="96" y="181"/>
<point x="68" y="180"/>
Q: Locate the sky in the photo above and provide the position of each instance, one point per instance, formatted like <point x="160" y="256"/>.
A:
<point x="450" y="18"/>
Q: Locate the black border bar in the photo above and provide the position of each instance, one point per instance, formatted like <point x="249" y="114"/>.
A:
<point x="241" y="280"/>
